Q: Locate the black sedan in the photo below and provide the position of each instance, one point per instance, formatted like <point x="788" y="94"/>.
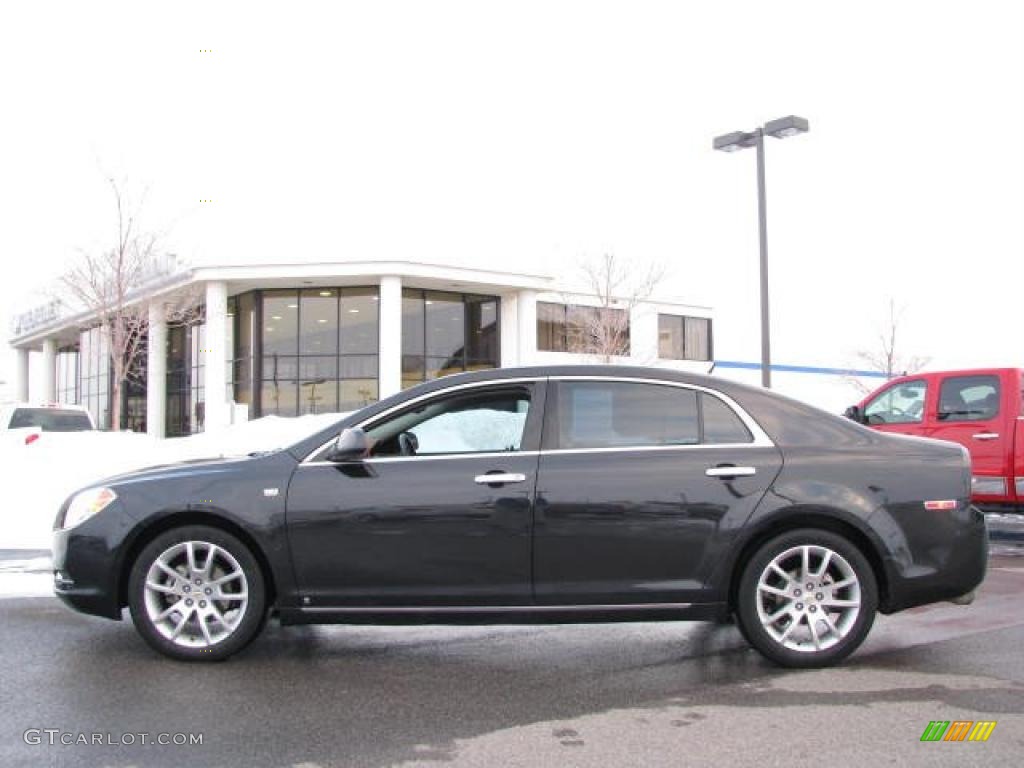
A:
<point x="555" y="494"/>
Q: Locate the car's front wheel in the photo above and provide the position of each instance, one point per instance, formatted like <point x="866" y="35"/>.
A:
<point x="197" y="593"/>
<point x="807" y="598"/>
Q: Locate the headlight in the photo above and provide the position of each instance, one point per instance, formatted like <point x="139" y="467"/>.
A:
<point x="86" y="504"/>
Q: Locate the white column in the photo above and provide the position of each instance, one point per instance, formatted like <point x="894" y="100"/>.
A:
<point x="643" y="334"/>
<point x="156" y="372"/>
<point x="21" y="376"/>
<point x="390" y="336"/>
<point x="218" y="412"/>
<point x="526" y="317"/>
<point x="49" y="370"/>
<point x="509" y="331"/>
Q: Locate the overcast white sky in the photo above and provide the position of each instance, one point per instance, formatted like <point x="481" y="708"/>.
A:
<point x="528" y="135"/>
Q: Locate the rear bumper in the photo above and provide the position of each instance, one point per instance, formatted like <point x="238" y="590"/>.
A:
<point x="939" y="573"/>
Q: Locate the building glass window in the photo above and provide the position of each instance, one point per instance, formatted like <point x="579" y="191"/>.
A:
<point x="444" y="333"/>
<point x="67" y="376"/>
<point x="133" y="392"/>
<point x="359" y="320"/>
<point x="186" y="371"/>
<point x="178" y="394"/>
<point x="318" y="350"/>
<point x="551" y="335"/>
<point x="243" y="313"/>
<point x="582" y="329"/>
<point x="94" y="372"/>
<point x="684" y="338"/>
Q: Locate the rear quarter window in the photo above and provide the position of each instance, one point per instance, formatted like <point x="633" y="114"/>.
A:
<point x="721" y="424"/>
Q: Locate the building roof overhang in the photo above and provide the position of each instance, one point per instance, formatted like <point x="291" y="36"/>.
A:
<point x="244" y="277"/>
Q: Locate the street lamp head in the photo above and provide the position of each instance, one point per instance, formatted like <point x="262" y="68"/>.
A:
<point x="735" y="141"/>
<point x="785" y="127"/>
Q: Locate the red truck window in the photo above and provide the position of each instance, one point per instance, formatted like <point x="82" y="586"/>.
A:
<point x="969" y="398"/>
<point x="901" y="404"/>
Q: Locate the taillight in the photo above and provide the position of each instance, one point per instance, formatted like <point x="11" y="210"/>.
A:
<point x="944" y="505"/>
<point x="29" y="439"/>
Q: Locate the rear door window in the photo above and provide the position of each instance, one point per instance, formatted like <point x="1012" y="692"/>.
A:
<point x="969" y="398"/>
<point x="612" y="414"/>
<point x="899" y="404"/>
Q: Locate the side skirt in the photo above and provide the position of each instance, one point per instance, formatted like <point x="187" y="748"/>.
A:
<point x="492" y="614"/>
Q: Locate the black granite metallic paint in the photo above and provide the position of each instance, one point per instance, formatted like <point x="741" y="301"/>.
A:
<point x="594" y="532"/>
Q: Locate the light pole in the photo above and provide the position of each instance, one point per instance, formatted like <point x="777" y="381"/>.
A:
<point x="732" y="142"/>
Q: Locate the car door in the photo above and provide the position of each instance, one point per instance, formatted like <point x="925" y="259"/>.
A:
<point x="970" y="412"/>
<point x="420" y="521"/>
<point x="638" y="480"/>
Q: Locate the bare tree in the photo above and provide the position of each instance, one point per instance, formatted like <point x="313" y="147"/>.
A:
<point x="105" y="283"/>
<point x="617" y="286"/>
<point x="886" y="358"/>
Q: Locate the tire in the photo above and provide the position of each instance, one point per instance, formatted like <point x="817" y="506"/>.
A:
<point x="197" y="593"/>
<point x="792" y="628"/>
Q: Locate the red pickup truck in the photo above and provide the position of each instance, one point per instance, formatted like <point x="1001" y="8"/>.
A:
<point x="981" y="409"/>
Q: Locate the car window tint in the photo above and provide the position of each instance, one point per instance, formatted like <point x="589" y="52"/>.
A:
<point x="600" y="414"/>
<point x="969" y="398"/>
<point x="721" y="424"/>
<point x="899" y="404"/>
<point x="475" y="422"/>
<point x="51" y="420"/>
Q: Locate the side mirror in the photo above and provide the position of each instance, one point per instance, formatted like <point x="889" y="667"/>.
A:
<point x="351" y="445"/>
<point x="853" y="413"/>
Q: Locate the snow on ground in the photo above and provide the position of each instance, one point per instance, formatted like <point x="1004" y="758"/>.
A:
<point x="44" y="473"/>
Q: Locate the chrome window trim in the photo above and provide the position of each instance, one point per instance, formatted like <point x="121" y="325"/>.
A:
<point x="427" y="457"/>
<point x="760" y="437"/>
<point x="647" y="448"/>
<point x="377" y="417"/>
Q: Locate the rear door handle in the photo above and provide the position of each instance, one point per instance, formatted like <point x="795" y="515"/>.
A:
<point x="986" y="436"/>
<point x="499" y="477"/>
<point x="730" y="471"/>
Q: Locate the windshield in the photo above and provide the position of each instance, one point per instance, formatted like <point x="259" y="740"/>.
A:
<point x="51" y="420"/>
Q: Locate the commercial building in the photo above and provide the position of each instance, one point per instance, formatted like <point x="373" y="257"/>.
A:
<point x="293" y="339"/>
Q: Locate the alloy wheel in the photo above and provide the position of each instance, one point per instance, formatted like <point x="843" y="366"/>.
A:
<point x="196" y="594"/>
<point x="808" y="598"/>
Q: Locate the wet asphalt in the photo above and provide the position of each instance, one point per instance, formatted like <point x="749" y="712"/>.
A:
<point x="630" y="694"/>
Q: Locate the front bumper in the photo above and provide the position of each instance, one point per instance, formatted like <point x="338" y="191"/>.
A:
<point x="85" y="568"/>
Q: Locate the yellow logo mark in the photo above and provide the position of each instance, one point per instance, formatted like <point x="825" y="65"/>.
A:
<point x="982" y="730"/>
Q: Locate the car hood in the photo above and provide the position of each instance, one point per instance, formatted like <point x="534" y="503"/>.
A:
<point x="179" y="470"/>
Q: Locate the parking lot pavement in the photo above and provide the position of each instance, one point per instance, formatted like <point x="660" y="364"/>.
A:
<point x="631" y="694"/>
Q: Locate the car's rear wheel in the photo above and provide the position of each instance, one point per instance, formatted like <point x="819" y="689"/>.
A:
<point x="807" y="598"/>
<point x="197" y="593"/>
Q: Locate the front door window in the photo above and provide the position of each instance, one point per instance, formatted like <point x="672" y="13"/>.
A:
<point x="899" y="404"/>
<point x="472" y="422"/>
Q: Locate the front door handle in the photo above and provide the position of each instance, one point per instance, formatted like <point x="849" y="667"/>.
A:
<point x="730" y="471"/>
<point x="499" y="477"/>
<point x="986" y="436"/>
